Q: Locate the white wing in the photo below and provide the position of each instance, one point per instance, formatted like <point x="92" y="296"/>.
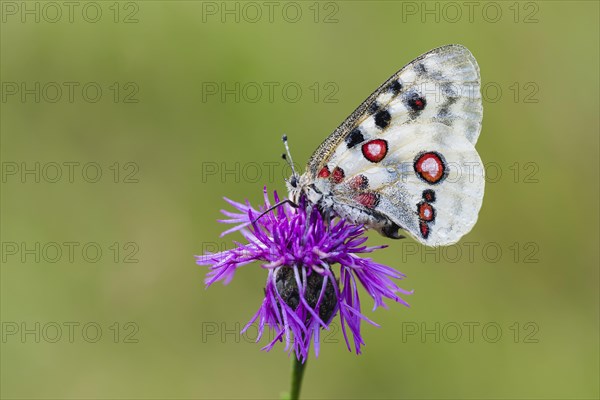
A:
<point x="406" y="155"/>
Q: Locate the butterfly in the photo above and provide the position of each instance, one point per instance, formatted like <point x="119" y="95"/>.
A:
<point x="405" y="158"/>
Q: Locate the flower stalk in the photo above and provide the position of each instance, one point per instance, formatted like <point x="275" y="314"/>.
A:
<point x="297" y="375"/>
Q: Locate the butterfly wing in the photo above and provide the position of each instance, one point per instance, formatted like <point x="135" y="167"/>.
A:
<point x="431" y="184"/>
<point x="406" y="155"/>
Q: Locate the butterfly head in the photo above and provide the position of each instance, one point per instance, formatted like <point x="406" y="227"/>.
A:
<point x="294" y="189"/>
<point x="302" y="185"/>
<point x="294" y="181"/>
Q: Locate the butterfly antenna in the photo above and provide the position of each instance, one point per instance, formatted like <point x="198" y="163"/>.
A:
<point x="287" y="149"/>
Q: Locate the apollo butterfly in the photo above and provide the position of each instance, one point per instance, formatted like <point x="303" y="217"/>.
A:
<point x="405" y="158"/>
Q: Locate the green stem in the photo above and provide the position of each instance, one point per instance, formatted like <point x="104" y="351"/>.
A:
<point x="297" y="374"/>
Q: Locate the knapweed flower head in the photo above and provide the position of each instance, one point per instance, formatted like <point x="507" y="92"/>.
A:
<point x="304" y="290"/>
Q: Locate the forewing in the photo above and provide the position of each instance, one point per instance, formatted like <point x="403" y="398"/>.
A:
<point x="407" y="153"/>
<point x="439" y="87"/>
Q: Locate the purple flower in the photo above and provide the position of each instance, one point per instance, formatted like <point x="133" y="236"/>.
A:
<point x="303" y="293"/>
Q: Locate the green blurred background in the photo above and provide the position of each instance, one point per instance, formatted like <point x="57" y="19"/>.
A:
<point x="179" y="147"/>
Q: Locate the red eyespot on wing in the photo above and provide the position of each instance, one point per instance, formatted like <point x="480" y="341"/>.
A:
<point x="338" y="175"/>
<point x="416" y="102"/>
<point x="324" y="172"/>
<point x="359" y="182"/>
<point x="430" y="167"/>
<point x="375" y="150"/>
<point x="368" y="200"/>
<point x="429" y="195"/>
<point x="426" y="212"/>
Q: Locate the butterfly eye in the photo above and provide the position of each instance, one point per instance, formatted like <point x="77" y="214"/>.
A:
<point x="294" y="181"/>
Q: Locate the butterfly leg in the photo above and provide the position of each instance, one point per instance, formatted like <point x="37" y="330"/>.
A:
<point x="282" y="202"/>
<point x="327" y="217"/>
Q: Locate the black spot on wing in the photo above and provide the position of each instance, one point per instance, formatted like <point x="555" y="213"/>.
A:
<point x="420" y="68"/>
<point x="373" y="108"/>
<point x="354" y="137"/>
<point x="443" y="116"/>
<point x="395" y="87"/>
<point x="448" y="90"/>
<point x="382" y="119"/>
<point x="450" y="97"/>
